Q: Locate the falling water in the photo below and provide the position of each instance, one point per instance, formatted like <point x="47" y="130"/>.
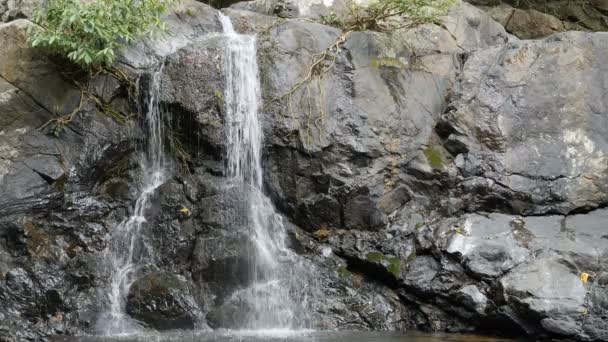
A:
<point x="277" y="297"/>
<point x="126" y="249"/>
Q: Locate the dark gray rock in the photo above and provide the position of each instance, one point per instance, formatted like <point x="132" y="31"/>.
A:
<point x="31" y="171"/>
<point x="502" y="108"/>
<point x="16" y="107"/>
<point x="488" y="247"/>
<point x="31" y="70"/>
<point x="163" y="301"/>
<point x="196" y="102"/>
<point x="187" y="22"/>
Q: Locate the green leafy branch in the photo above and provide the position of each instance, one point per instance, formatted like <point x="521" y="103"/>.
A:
<point x="90" y="32"/>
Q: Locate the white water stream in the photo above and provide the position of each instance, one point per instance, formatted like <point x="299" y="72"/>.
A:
<point x="277" y="297"/>
<point x="127" y="249"/>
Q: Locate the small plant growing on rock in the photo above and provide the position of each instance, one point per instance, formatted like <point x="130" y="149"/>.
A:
<point x="386" y="15"/>
<point x="376" y="15"/>
<point x="89" y="32"/>
<point x="322" y="233"/>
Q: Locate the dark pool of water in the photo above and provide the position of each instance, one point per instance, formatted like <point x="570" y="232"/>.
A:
<point x="291" y="336"/>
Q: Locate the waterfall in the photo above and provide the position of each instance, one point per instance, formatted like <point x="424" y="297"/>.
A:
<point x="127" y="250"/>
<point x="276" y="298"/>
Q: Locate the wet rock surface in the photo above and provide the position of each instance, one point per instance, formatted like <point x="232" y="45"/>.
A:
<point x="447" y="178"/>
<point x="163" y="302"/>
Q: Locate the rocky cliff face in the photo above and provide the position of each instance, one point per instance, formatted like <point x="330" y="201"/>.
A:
<point x="448" y="177"/>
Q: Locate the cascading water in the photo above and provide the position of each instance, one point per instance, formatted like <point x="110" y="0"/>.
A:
<point x="127" y="250"/>
<point x="276" y="298"/>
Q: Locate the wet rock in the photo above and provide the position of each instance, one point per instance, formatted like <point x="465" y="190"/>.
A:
<point x="500" y="109"/>
<point x="347" y="297"/>
<point x="549" y="291"/>
<point x="473" y="298"/>
<point x="223" y="261"/>
<point x="163" y="301"/>
<point x="343" y="185"/>
<point x="32" y="71"/>
<point x="196" y="102"/>
<point x="382" y="254"/>
<point x="17" y="109"/>
<point x="188" y="21"/>
<point x="31" y="171"/>
<point x="486" y="246"/>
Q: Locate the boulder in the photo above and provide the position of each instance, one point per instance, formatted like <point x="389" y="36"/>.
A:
<point x="163" y="301"/>
<point x="545" y="267"/>
<point x="487" y="246"/>
<point x="547" y="290"/>
<point x="502" y="109"/>
<point x="472" y="28"/>
<point x="532" y="24"/>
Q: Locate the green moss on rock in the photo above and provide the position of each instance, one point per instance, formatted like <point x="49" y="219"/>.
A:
<point x="343" y="272"/>
<point x="375" y="256"/>
<point x="394" y="266"/>
<point x="387" y="62"/>
<point x="434" y="158"/>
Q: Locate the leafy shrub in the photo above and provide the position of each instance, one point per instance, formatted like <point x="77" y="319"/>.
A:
<point x="384" y="15"/>
<point x="89" y="32"/>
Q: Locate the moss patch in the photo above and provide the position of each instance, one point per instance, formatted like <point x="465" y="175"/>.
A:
<point x="434" y="158"/>
<point x="343" y="272"/>
<point x="394" y="266"/>
<point x="387" y="62"/>
<point x="375" y="256"/>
